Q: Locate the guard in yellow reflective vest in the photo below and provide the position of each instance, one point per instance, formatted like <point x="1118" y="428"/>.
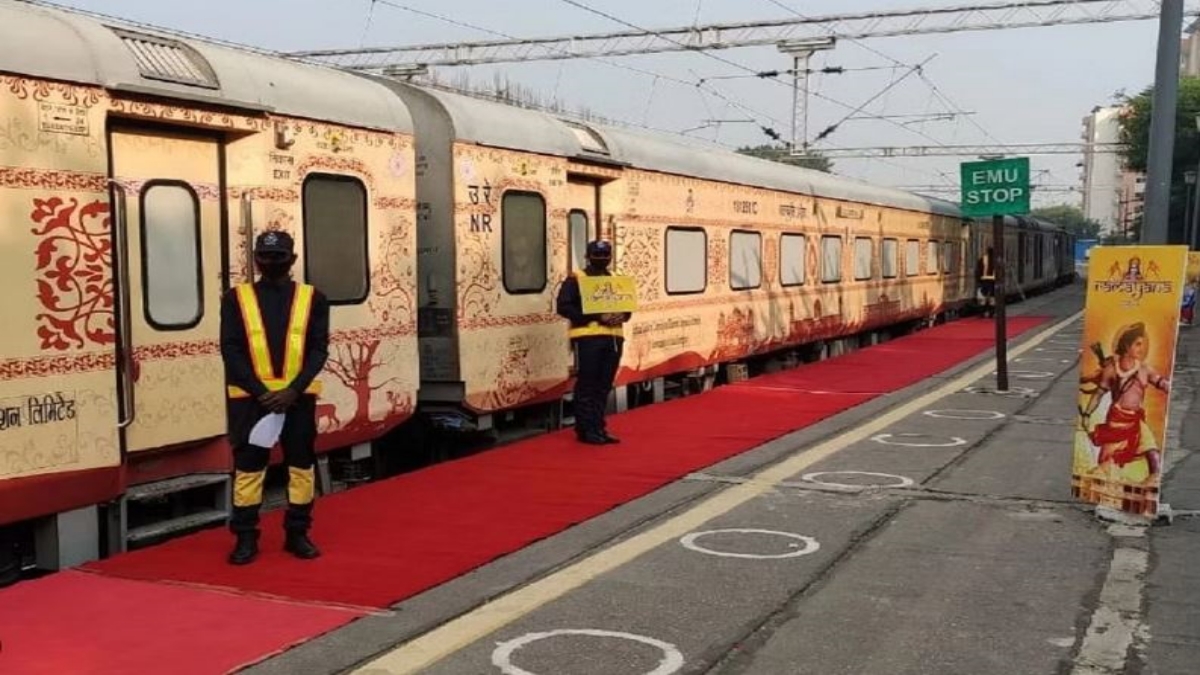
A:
<point x="274" y="341"/>
<point x="597" y="340"/>
<point x="985" y="280"/>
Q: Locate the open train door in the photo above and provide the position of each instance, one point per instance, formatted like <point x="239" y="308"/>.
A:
<point x="167" y="187"/>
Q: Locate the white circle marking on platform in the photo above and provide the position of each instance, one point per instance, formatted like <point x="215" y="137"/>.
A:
<point x="502" y="658"/>
<point x="970" y="415"/>
<point x="1029" y="374"/>
<point x="812" y="478"/>
<point x="1016" y="391"/>
<point x="810" y="544"/>
<point x="886" y="439"/>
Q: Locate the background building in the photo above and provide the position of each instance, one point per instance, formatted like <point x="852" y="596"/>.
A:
<point x="1103" y="176"/>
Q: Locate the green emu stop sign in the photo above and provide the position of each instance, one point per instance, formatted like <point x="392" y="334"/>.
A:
<point x="996" y="188"/>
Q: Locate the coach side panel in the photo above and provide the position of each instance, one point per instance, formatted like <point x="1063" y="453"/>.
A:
<point x="58" y="396"/>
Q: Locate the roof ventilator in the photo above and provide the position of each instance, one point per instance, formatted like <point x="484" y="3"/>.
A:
<point x="168" y="60"/>
<point x="588" y="139"/>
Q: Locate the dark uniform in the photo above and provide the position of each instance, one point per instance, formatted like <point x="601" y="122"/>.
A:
<point x="274" y="337"/>
<point x="597" y="349"/>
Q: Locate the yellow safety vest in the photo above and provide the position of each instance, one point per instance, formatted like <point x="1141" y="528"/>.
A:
<point x="595" y="327"/>
<point x="260" y="349"/>
<point x="989" y="274"/>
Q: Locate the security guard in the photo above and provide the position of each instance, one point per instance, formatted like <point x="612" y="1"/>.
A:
<point x="274" y="341"/>
<point x="985" y="280"/>
<point x="597" y="340"/>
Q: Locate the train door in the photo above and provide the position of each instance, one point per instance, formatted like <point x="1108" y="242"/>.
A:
<point x="167" y="188"/>
<point x="583" y="220"/>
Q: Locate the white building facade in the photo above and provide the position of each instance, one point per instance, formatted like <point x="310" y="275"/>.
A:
<point x="1110" y="193"/>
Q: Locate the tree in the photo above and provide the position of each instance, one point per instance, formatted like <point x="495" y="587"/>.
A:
<point x="1135" y="133"/>
<point x="1071" y="219"/>
<point x="780" y="153"/>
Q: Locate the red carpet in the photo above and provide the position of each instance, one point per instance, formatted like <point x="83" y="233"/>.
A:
<point x="85" y="624"/>
<point x="390" y="540"/>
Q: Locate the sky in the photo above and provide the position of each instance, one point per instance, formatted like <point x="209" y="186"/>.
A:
<point x="1030" y="85"/>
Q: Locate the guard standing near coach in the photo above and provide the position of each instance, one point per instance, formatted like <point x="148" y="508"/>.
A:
<point x="274" y="342"/>
<point x="985" y="280"/>
<point x="597" y="341"/>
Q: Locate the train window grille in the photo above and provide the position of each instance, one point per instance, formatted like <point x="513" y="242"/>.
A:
<point x="831" y="259"/>
<point x="864" y="254"/>
<point x="912" y="258"/>
<point x="335" y="237"/>
<point x="793" y="255"/>
<point x="577" y="226"/>
<point x="686" y="260"/>
<point x="172" y="279"/>
<point x="167" y="60"/>
<point x="891" y="258"/>
<point x="933" y="256"/>
<point x="523" y="242"/>
<point x="745" y="260"/>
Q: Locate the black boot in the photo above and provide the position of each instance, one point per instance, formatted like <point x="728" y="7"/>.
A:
<point x="299" y="545"/>
<point x="246" y="549"/>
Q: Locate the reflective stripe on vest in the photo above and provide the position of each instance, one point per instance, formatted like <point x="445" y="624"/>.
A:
<point x="593" y="328"/>
<point x="988" y="273"/>
<point x="260" y="349"/>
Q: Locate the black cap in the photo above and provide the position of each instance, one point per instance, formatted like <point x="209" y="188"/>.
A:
<point x="599" y="249"/>
<point x="274" y="242"/>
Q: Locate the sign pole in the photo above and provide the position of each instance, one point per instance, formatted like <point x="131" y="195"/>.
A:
<point x="1001" y="313"/>
<point x="997" y="188"/>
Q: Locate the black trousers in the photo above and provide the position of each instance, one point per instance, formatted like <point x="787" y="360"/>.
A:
<point x="596" y="361"/>
<point x="250" y="463"/>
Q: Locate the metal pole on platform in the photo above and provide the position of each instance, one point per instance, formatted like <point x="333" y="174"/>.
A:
<point x="1162" y="125"/>
<point x="1001" y="314"/>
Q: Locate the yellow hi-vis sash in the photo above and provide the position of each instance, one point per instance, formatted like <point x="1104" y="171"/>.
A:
<point x="595" y="327"/>
<point x="260" y="350"/>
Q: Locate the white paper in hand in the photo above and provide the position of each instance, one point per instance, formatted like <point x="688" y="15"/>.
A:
<point x="266" y="432"/>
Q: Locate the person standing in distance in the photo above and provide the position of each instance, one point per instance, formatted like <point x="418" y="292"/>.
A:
<point x="597" y="341"/>
<point x="985" y="280"/>
<point x="274" y="342"/>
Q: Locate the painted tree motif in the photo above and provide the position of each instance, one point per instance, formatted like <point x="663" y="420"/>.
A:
<point x="352" y="365"/>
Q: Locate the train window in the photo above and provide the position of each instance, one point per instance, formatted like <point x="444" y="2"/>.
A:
<point x="912" y="258"/>
<point x="523" y="242"/>
<point x="831" y="259"/>
<point x="335" y="237"/>
<point x="745" y="260"/>
<point x="891" y="258"/>
<point x="950" y="257"/>
<point x="171" y="275"/>
<point x="686" y="260"/>
<point x="577" y="232"/>
<point x="864" y="254"/>
<point x="793" y="253"/>
<point x="932" y="257"/>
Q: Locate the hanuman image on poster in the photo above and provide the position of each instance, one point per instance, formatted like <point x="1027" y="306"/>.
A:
<point x="1130" y="328"/>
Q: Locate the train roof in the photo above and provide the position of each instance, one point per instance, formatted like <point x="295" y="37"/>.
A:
<point x="509" y="126"/>
<point x="56" y="44"/>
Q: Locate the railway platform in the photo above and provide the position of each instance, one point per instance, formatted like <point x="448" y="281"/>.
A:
<point x="881" y="512"/>
<point x="930" y="531"/>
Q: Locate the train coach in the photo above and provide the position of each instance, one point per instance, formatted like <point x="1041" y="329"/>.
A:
<point x="135" y="167"/>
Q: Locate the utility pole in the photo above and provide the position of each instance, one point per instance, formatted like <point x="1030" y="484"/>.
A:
<point x="1162" y="125"/>
<point x="801" y="51"/>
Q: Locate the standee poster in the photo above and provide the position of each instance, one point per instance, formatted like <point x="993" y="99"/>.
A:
<point x="1131" y="323"/>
